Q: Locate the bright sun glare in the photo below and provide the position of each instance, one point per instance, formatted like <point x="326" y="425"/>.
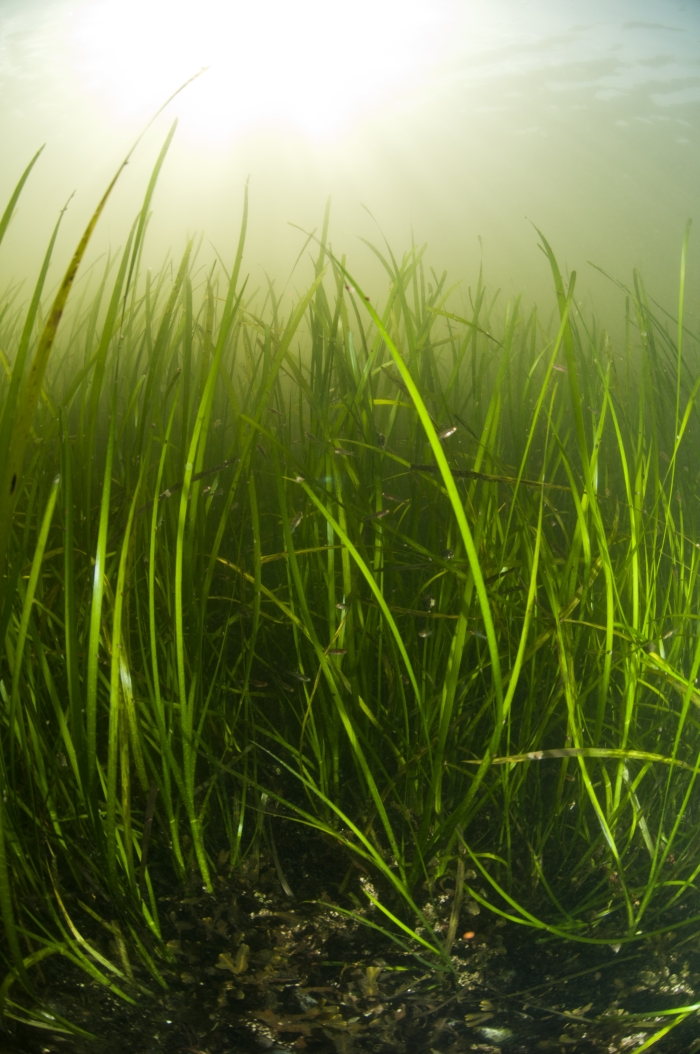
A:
<point x="311" y="65"/>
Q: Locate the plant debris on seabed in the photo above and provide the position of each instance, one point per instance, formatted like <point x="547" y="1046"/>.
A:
<point x="254" y="970"/>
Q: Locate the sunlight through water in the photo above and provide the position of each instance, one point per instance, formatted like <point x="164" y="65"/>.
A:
<point x="311" y="66"/>
<point x="457" y="122"/>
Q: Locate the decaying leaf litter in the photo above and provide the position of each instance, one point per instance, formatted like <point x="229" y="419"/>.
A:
<point x="250" y="969"/>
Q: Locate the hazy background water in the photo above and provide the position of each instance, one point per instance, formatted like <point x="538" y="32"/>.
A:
<point x="456" y="122"/>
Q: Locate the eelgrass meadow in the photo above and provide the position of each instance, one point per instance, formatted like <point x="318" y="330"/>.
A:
<point x="421" y="575"/>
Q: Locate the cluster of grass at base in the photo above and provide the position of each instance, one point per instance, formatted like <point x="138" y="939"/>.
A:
<point x="421" y="580"/>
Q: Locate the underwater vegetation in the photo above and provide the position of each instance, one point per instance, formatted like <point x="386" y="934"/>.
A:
<point x="419" y="578"/>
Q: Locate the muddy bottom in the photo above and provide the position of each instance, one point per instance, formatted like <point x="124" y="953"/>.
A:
<point x="253" y="969"/>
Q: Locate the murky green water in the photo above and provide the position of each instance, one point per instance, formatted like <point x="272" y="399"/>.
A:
<point x="463" y="125"/>
<point x="451" y="122"/>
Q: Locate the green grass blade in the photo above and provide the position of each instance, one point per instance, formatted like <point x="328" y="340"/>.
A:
<point x="12" y="203"/>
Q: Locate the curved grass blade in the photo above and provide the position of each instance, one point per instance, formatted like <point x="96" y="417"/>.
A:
<point x="98" y="586"/>
<point x="11" y="205"/>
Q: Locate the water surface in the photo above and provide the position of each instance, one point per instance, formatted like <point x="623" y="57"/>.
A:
<point x="459" y="124"/>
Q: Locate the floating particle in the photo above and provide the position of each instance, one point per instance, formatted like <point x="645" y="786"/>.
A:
<point x="447" y="432"/>
<point x="447" y="554"/>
